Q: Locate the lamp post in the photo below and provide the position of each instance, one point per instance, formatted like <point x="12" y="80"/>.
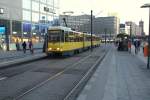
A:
<point x="91" y="30"/>
<point x="130" y="35"/>
<point x="105" y="30"/>
<point x="148" y="58"/>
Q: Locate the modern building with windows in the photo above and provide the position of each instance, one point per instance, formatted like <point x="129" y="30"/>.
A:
<point x="124" y="29"/>
<point x="107" y="26"/>
<point x="101" y="25"/>
<point x="134" y="29"/>
<point x="22" y="20"/>
<point x="75" y="22"/>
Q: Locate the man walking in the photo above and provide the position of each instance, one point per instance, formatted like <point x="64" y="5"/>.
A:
<point x="31" y="47"/>
<point x="24" y="46"/>
<point x="136" y="46"/>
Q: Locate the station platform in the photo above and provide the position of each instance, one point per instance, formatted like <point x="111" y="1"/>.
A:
<point x="8" y="58"/>
<point x="120" y="76"/>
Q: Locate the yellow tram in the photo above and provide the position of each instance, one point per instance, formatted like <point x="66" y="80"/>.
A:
<point x="64" y="41"/>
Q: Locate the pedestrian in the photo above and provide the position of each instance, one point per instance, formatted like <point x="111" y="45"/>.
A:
<point x="129" y="46"/>
<point x="24" y="46"/>
<point x="17" y="46"/>
<point x="136" y="46"/>
<point x="31" y="47"/>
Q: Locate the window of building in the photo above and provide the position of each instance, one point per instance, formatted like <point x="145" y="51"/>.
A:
<point x="50" y="18"/>
<point x="36" y="0"/>
<point x="43" y="17"/>
<point x="56" y="3"/>
<point x="16" y="27"/>
<point x="42" y="8"/>
<point x="35" y="6"/>
<point x="26" y="15"/>
<point x="43" y="1"/>
<point x="35" y="17"/>
<point x="50" y="2"/>
<point x="26" y="4"/>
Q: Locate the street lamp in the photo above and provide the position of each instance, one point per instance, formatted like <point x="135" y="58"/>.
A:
<point x="91" y="30"/>
<point x="148" y="58"/>
<point x="105" y="30"/>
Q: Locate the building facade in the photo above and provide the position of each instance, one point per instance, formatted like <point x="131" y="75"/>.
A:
<point x="107" y="26"/>
<point x="22" y="20"/>
<point x="75" y="22"/>
<point x="101" y="25"/>
<point x="122" y="29"/>
<point x="134" y="29"/>
<point x="141" y="25"/>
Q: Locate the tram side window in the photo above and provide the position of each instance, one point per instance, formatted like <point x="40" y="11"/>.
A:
<point x="76" y="38"/>
<point x="81" y="38"/>
<point x="66" y="36"/>
<point x="71" y="37"/>
<point x="62" y="36"/>
<point x="88" y="38"/>
<point x="85" y="38"/>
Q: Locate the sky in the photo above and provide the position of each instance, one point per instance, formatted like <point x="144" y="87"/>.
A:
<point x="126" y="10"/>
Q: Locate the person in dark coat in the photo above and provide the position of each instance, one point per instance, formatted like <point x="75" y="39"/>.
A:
<point x="31" y="47"/>
<point x="136" y="46"/>
<point x="17" y="46"/>
<point x="24" y="45"/>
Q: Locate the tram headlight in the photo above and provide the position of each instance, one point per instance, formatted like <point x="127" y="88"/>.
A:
<point x="49" y="49"/>
<point x="58" y="48"/>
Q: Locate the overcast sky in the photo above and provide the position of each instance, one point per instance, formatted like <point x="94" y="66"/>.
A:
<point x="126" y="10"/>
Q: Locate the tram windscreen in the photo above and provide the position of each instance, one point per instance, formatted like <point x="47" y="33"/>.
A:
<point x="54" y="35"/>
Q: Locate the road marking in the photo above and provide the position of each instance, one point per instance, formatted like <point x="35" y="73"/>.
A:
<point x="2" y="78"/>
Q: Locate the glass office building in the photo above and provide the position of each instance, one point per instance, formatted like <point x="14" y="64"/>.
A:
<point x="37" y="15"/>
<point x="22" y="20"/>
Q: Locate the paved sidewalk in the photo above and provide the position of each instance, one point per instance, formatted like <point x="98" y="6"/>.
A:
<point x="140" y="54"/>
<point x="121" y="76"/>
<point x="10" y="58"/>
<point x="11" y="55"/>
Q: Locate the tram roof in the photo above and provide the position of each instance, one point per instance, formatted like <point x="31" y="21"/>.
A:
<point x="60" y="28"/>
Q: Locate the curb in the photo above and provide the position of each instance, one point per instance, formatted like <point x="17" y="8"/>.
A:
<point x="78" y="88"/>
<point x="20" y="61"/>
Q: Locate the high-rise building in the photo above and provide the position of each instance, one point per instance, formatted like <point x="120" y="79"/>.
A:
<point x="134" y="29"/>
<point x="110" y="25"/>
<point x="75" y="22"/>
<point x="141" y="25"/>
<point x="23" y="19"/>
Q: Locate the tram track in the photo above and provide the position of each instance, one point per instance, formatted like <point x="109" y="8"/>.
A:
<point x="15" y="71"/>
<point x="67" y="68"/>
<point x="44" y="82"/>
